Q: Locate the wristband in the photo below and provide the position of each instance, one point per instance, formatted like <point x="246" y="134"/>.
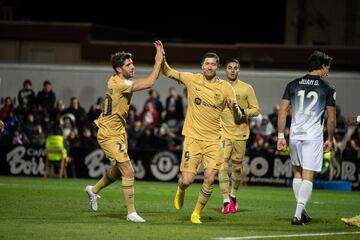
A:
<point x="281" y="135"/>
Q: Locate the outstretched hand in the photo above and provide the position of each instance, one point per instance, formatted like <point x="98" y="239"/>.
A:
<point x="327" y="145"/>
<point x="2" y="125"/>
<point x="281" y="144"/>
<point x="351" y="120"/>
<point x="160" y="53"/>
<point x="235" y="107"/>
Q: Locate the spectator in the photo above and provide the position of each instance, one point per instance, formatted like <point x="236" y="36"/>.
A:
<point x="11" y="123"/>
<point x="46" y="97"/>
<point x="86" y="140"/>
<point x="26" y="98"/>
<point x="95" y="110"/>
<point x="7" y="108"/>
<point x="150" y="117"/>
<point x="47" y="124"/>
<point x="265" y="128"/>
<point x="165" y="139"/>
<point x="274" y="116"/>
<point x="58" y="111"/>
<point x="174" y="106"/>
<point x="147" y="139"/>
<point x="340" y="122"/>
<point x="28" y="126"/>
<point x="135" y="132"/>
<point x="40" y="114"/>
<point x="38" y="137"/>
<point x="78" y="111"/>
<point x="154" y="98"/>
<point x="17" y="138"/>
<point x="67" y="124"/>
<point x="132" y="116"/>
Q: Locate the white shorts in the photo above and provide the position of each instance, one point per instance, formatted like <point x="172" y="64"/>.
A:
<point x="307" y="153"/>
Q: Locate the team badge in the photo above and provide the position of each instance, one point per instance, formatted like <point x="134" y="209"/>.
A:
<point x="217" y="96"/>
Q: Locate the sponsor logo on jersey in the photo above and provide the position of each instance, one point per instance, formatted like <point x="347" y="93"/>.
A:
<point x="198" y="101"/>
<point x="208" y="105"/>
<point x="299" y="133"/>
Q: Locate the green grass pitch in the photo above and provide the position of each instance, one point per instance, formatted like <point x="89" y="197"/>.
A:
<point x="37" y="208"/>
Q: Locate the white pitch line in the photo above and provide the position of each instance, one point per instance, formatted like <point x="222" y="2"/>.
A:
<point x="287" y="236"/>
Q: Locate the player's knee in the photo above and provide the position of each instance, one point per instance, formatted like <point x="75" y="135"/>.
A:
<point x="209" y="179"/>
<point x="111" y="177"/>
<point x="224" y="167"/>
<point x="187" y="180"/>
<point x="113" y="174"/>
<point x="237" y="167"/>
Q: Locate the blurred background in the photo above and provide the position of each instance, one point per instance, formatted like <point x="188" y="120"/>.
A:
<point x="260" y="33"/>
<point x="70" y="44"/>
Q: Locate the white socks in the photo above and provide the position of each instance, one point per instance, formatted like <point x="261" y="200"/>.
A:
<point x="303" y="197"/>
<point x="296" y="186"/>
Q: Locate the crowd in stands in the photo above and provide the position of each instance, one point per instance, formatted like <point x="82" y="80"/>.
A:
<point x="38" y="115"/>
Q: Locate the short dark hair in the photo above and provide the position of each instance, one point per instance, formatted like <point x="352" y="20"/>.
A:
<point x="118" y="59"/>
<point x="212" y="55"/>
<point x="46" y="82"/>
<point x="232" y="60"/>
<point x="27" y="81"/>
<point x="317" y="59"/>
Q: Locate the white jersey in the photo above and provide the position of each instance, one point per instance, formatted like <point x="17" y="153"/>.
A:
<point x="309" y="96"/>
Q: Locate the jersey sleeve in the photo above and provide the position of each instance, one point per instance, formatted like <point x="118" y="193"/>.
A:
<point x="124" y="86"/>
<point x="253" y="110"/>
<point x="230" y="92"/>
<point x="180" y="77"/>
<point x="331" y="98"/>
<point x="286" y="95"/>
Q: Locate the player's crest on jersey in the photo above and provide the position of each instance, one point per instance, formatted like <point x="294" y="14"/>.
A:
<point x="217" y="96"/>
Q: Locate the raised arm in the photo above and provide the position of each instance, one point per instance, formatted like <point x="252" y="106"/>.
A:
<point x="284" y="107"/>
<point x="169" y="72"/>
<point x="148" y="82"/>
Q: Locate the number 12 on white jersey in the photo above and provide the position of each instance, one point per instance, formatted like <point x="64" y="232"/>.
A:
<point x="308" y="109"/>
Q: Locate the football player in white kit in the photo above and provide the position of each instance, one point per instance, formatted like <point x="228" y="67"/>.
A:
<point x="309" y="98"/>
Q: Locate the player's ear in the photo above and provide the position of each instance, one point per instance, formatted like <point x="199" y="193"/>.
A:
<point x="118" y="70"/>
